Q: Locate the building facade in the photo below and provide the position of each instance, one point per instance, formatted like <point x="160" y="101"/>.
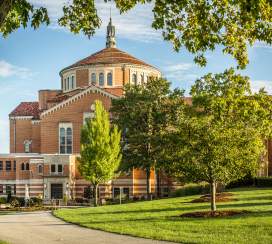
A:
<point x="45" y="135"/>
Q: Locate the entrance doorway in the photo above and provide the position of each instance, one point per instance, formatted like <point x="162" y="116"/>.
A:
<point x="56" y="191"/>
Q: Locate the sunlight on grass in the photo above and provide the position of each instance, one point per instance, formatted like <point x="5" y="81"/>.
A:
<point x="160" y="219"/>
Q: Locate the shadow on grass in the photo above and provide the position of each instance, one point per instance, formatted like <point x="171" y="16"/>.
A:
<point x="177" y="219"/>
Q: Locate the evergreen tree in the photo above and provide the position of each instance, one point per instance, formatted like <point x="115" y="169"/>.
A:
<point x="100" y="149"/>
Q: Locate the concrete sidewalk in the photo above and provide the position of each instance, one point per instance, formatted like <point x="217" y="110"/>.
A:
<point x="43" y="228"/>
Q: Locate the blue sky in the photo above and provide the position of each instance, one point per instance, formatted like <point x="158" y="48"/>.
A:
<point x="31" y="60"/>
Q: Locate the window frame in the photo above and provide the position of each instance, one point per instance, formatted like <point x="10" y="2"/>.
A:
<point x="27" y="146"/>
<point x="27" y="167"/>
<point x="109" y="74"/>
<point x="60" y="172"/>
<point x="134" y="79"/>
<point x="8" y="163"/>
<point x="1" y="166"/>
<point x="93" y="78"/>
<point x="101" y="82"/>
<point x="52" y="165"/>
<point x="40" y="172"/>
<point x="65" y="127"/>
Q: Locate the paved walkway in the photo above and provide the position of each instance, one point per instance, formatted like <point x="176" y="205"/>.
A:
<point x="43" y="228"/>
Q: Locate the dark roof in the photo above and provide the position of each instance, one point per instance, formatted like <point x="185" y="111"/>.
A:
<point x="109" y="56"/>
<point x="27" y="109"/>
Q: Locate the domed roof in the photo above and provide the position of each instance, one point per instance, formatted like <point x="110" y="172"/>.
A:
<point x="109" y="55"/>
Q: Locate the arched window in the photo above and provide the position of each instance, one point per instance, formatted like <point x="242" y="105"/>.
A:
<point x="109" y="79"/>
<point x="134" y="79"/>
<point x="93" y="78"/>
<point x="40" y="169"/>
<point x="27" y="166"/>
<point x="27" y="145"/>
<point x="22" y="166"/>
<point x="101" y="79"/>
<point x="72" y="82"/>
<point x="68" y="84"/>
<point x="142" y="79"/>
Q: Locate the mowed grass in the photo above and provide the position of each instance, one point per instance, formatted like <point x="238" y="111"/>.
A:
<point x="159" y="219"/>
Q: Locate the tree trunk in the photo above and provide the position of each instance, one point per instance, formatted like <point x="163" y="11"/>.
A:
<point x="5" y="7"/>
<point x="213" y="196"/>
<point x="148" y="183"/>
<point x="96" y="195"/>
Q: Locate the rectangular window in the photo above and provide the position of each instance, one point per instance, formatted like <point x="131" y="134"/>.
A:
<point x="59" y="168"/>
<point x="8" y="165"/>
<point x="53" y="168"/>
<point x="8" y="189"/>
<point x="65" y="138"/>
<point x="116" y="192"/>
<point x="126" y="192"/>
<point x="1" y="165"/>
<point x="14" y="189"/>
<point x="1" y="189"/>
<point x="14" y="165"/>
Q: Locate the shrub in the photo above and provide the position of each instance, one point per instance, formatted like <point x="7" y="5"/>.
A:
<point x="263" y="181"/>
<point x="245" y="181"/>
<point x="3" y="200"/>
<point x="191" y="189"/>
<point x="35" y="201"/>
<point x="14" y="202"/>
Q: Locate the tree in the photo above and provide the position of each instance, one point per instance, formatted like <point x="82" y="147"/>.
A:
<point x="100" y="149"/>
<point x="222" y="136"/>
<point x="198" y="26"/>
<point x="145" y="114"/>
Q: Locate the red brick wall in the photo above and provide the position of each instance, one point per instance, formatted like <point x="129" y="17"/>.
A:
<point x="23" y="132"/>
<point x="44" y="95"/>
<point x="82" y="78"/>
<point x="36" y="138"/>
<point x="72" y="113"/>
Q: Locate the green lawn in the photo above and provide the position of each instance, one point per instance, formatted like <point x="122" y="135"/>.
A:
<point x="3" y="242"/>
<point x="159" y="219"/>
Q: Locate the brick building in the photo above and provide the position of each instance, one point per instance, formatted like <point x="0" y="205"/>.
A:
<point x="45" y="135"/>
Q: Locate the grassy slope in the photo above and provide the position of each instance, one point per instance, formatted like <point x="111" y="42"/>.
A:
<point x="158" y="219"/>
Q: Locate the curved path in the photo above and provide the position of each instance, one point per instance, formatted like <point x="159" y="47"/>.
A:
<point x="43" y="228"/>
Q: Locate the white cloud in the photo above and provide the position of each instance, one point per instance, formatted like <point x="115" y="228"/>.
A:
<point x="8" y="70"/>
<point x="4" y="132"/>
<point x="179" y="67"/>
<point x="256" y="85"/>
<point x="135" y="24"/>
<point x="180" y="72"/>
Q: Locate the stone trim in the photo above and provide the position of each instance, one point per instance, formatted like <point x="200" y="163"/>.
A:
<point x="21" y="117"/>
<point x="121" y="65"/>
<point x="76" y="97"/>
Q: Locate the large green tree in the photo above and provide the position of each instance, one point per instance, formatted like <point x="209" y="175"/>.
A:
<point x="145" y="114"/>
<point x="100" y="154"/>
<point x="196" y="25"/>
<point x="222" y="136"/>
